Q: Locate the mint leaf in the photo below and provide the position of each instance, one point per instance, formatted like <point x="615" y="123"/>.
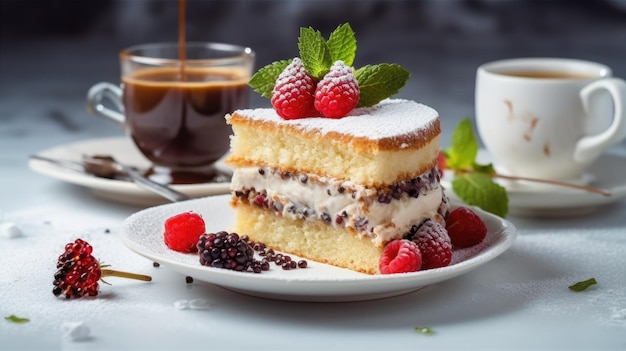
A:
<point x="583" y="285"/>
<point x="477" y="189"/>
<point x="473" y="182"/>
<point x="424" y="330"/>
<point x="314" y="52"/>
<point x="378" y="82"/>
<point x="15" y="319"/>
<point x="342" y="44"/>
<point x="264" y="80"/>
<point x="486" y="169"/>
<point x="463" y="150"/>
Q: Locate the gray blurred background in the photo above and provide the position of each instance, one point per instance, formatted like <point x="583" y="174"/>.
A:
<point x="51" y="52"/>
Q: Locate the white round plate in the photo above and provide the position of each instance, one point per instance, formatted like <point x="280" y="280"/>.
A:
<point x="124" y="151"/>
<point x="544" y="200"/>
<point x="143" y="233"/>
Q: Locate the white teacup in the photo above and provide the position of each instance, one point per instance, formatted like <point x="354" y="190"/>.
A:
<point x="548" y="118"/>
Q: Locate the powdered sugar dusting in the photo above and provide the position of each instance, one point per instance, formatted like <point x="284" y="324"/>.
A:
<point x="28" y="272"/>
<point x="293" y="79"/>
<point x="389" y="118"/>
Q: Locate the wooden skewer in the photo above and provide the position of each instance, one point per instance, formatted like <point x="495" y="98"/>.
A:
<point x="555" y="182"/>
<point x="547" y="181"/>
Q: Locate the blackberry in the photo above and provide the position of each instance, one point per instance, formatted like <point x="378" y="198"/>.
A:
<point x="228" y="250"/>
<point x="279" y="259"/>
<point x="225" y="250"/>
<point x="79" y="272"/>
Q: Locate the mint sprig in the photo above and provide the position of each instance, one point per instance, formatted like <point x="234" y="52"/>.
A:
<point x="473" y="182"/>
<point x="376" y="82"/>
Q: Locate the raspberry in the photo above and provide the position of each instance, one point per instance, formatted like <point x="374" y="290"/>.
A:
<point x="400" y="256"/>
<point x="183" y="230"/>
<point x="338" y="92"/>
<point x="441" y="163"/>
<point x="292" y="96"/>
<point x="434" y="244"/>
<point x="79" y="272"/>
<point x="465" y="227"/>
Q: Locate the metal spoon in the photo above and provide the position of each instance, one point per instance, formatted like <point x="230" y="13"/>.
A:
<point x="107" y="167"/>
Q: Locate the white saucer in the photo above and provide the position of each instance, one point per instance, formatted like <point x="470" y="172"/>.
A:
<point x="542" y="200"/>
<point x="143" y="233"/>
<point x="123" y="150"/>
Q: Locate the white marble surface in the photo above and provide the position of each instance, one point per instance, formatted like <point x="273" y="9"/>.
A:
<point x="518" y="301"/>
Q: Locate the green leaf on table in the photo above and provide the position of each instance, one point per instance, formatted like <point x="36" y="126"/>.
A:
<point x="424" y="330"/>
<point x="478" y="189"/>
<point x="583" y="285"/>
<point x="15" y="319"/>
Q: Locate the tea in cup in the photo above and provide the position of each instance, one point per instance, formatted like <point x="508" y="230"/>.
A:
<point x="548" y="118"/>
<point x="173" y="109"/>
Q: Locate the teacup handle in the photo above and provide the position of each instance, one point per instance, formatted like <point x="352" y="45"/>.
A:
<point x="98" y="94"/>
<point x="590" y="147"/>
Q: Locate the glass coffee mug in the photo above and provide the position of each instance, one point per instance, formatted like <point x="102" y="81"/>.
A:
<point x="173" y="109"/>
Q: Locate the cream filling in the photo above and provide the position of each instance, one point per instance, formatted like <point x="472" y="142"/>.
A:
<point x="342" y="204"/>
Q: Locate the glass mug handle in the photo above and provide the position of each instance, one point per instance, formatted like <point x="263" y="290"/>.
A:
<point x="590" y="147"/>
<point x="101" y="92"/>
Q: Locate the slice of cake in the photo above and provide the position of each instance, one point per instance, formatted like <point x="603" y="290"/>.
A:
<point x="335" y="170"/>
<point x="336" y="191"/>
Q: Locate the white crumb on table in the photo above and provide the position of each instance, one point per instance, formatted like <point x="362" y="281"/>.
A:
<point x="194" y="304"/>
<point x="10" y="230"/>
<point x="75" y="331"/>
